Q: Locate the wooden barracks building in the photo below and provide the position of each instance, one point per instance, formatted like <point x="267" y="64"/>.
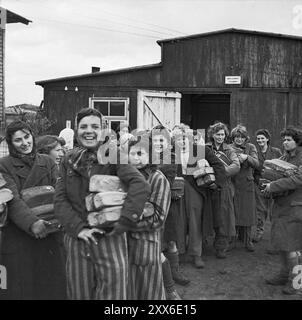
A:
<point x="235" y="76"/>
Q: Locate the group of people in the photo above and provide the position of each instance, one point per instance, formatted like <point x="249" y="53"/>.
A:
<point x="138" y="256"/>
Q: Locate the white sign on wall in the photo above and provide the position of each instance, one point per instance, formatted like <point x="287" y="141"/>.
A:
<point x="232" y="80"/>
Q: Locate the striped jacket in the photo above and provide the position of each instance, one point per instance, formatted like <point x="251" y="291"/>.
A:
<point x="160" y="198"/>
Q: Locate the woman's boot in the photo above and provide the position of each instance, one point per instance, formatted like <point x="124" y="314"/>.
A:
<point x="177" y="275"/>
<point x="171" y="293"/>
<point x="281" y="278"/>
<point x="248" y="239"/>
<point x="294" y="283"/>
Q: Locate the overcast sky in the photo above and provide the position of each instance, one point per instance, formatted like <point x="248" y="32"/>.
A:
<point x="68" y="37"/>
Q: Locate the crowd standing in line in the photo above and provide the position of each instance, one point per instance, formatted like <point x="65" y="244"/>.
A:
<point x="138" y="256"/>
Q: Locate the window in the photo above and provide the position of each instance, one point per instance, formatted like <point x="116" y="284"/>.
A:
<point x="114" y="110"/>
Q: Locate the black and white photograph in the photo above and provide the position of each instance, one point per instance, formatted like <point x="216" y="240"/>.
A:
<point x="151" y="150"/>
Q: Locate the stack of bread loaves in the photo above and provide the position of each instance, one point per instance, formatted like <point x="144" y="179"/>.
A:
<point x="41" y="201"/>
<point x="204" y="175"/>
<point x="105" y="201"/>
<point x="276" y="169"/>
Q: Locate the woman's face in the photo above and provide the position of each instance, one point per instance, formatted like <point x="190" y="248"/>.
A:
<point x="123" y="131"/>
<point x="88" y="130"/>
<point x="239" y="140"/>
<point x="160" y="143"/>
<point x="138" y="157"/>
<point x="182" y="142"/>
<point x="262" y="140"/>
<point x="289" y="143"/>
<point x="22" y="141"/>
<point x="57" y="153"/>
<point x="219" y="136"/>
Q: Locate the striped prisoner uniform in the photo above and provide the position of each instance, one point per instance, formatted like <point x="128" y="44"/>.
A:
<point x="95" y="271"/>
<point x="145" y="267"/>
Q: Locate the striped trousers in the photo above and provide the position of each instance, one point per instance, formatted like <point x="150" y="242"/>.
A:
<point x="145" y="268"/>
<point x="97" y="272"/>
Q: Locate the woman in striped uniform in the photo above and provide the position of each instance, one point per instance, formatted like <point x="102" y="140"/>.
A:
<point x="145" y="266"/>
<point x="97" y="265"/>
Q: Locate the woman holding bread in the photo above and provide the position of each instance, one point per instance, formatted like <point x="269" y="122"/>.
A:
<point x="97" y="260"/>
<point x="145" y="242"/>
<point x="31" y="256"/>
<point x="223" y="198"/>
<point x="286" y="232"/>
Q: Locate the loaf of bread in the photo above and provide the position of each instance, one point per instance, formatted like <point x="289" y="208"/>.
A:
<point x="202" y="172"/>
<point x="206" y="180"/>
<point x="105" y="183"/>
<point x="41" y="201"/>
<point x="97" y="201"/>
<point x="5" y="195"/>
<point x="105" y="217"/>
<point x="37" y="196"/>
<point x="280" y="166"/>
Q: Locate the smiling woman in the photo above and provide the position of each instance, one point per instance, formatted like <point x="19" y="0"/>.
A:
<point x="33" y="258"/>
<point x="51" y="145"/>
<point x="97" y="263"/>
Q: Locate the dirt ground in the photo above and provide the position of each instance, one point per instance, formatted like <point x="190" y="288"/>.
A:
<point x="238" y="277"/>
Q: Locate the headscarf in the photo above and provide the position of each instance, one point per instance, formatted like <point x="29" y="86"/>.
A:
<point x="10" y="131"/>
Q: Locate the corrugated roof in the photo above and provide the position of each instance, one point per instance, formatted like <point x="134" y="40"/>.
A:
<point x="230" y="30"/>
<point x="95" y="74"/>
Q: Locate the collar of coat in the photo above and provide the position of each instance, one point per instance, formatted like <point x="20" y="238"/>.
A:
<point x="39" y="161"/>
<point x="293" y="153"/>
<point x="223" y="146"/>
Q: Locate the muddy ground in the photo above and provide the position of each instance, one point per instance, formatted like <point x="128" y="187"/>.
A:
<point x="238" y="277"/>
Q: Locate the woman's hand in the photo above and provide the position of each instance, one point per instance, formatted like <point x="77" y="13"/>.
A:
<point x="38" y="228"/>
<point x="242" y="157"/>
<point x="87" y="235"/>
<point x="267" y="192"/>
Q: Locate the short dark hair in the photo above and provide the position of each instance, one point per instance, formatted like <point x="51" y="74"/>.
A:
<point x="240" y="130"/>
<point x="48" y="142"/>
<point x="87" y="112"/>
<point x="14" y="127"/>
<point x="293" y="132"/>
<point x="264" y="132"/>
<point x="161" y="130"/>
<point x="217" y="127"/>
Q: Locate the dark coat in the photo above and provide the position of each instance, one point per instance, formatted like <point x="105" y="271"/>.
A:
<point x="245" y="202"/>
<point x="220" y="175"/>
<point x="35" y="266"/>
<point x="271" y="153"/>
<point x="223" y="199"/>
<point x="287" y="210"/>
<point x="73" y="187"/>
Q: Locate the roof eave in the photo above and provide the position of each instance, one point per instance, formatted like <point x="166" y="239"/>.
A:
<point x="230" y="30"/>
<point x="96" y="74"/>
<point x="13" y="17"/>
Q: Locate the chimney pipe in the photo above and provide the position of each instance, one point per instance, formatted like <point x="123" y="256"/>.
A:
<point x="95" y="69"/>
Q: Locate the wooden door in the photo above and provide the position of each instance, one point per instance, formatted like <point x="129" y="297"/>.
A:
<point x="157" y="107"/>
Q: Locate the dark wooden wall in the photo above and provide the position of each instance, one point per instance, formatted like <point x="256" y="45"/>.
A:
<point x="262" y="61"/>
<point x="61" y="105"/>
<point x="269" y="96"/>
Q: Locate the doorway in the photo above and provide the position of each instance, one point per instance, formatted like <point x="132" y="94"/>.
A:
<point x="199" y="111"/>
